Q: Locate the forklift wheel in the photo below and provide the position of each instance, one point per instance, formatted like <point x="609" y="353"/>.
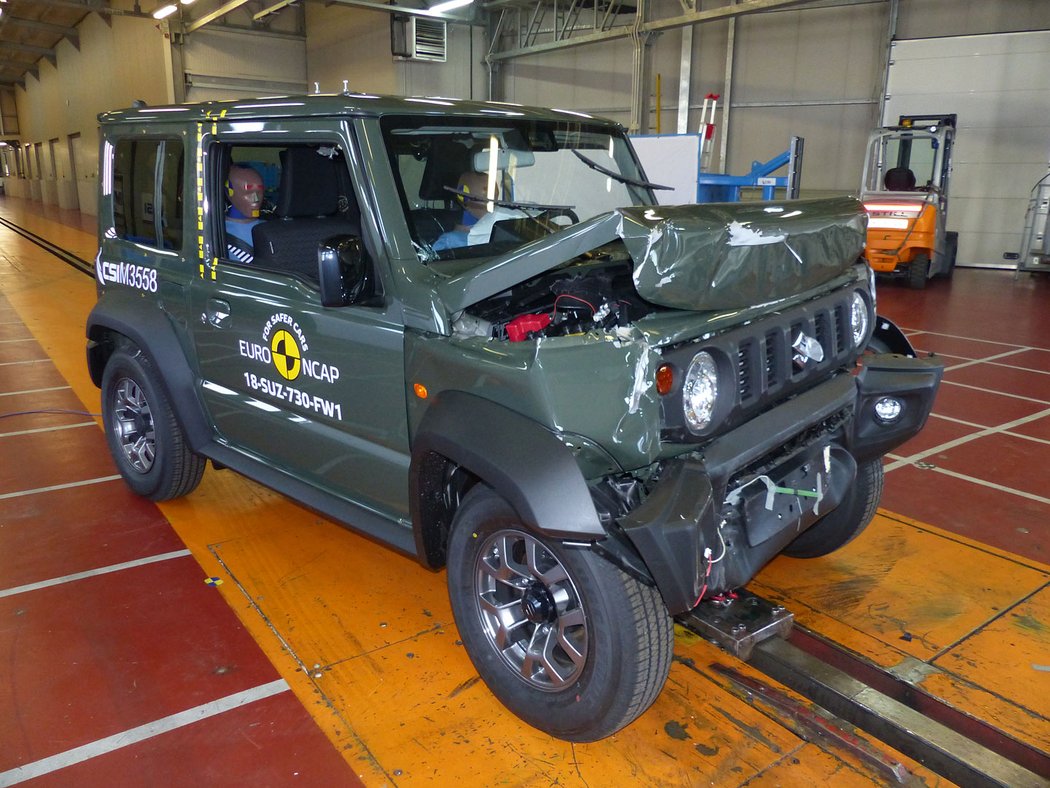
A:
<point x="918" y="271"/>
<point x="951" y="250"/>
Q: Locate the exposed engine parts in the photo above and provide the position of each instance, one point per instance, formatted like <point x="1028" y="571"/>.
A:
<point x="586" y="297"/>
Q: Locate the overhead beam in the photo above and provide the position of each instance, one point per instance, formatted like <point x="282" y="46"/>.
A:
<point x="47" y="27"/>
<point x="744" y="8"/>
<point x="222" y="10"/>
<point x="27" y="48"/>
<point x="98" y="6"/>
<point x="401" y="10"/>
<point x="273" y="9"/>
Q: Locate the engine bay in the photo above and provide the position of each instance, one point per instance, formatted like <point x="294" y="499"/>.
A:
<point x="593" y="293"/>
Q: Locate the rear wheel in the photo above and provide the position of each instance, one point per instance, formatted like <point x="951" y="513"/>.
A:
<point x="951" y="251"/>
<point x="144" y="437"/>
<point x="918" y="272"/>
<point x="845" y="522"/>
<point x="563" y="638"/>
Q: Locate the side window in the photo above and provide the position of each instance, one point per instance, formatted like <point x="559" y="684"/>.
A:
<point x="148" y="192"/>
<point x="281" y="202"/>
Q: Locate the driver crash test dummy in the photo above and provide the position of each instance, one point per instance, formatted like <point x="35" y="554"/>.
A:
<point x="474" y="184"/>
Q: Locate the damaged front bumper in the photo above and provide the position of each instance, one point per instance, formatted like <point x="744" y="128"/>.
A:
<point x="752" y="491"/>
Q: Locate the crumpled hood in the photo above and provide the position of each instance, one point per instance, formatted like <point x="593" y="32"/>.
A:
<point x="715" y="256"/>
<point x="734" y="255"/>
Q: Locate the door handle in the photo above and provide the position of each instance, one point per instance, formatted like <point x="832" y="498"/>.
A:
<point x="218" y="313"/>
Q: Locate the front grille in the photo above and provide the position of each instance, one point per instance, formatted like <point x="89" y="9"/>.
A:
<point x="779" y="372"/>
<point x="764" y="358"/>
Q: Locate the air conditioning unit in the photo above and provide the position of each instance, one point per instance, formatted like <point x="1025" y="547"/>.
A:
<point x="417" y="38"/>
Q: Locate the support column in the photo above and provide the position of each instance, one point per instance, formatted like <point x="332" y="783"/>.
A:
<point x="641" y="72"/>
<point x="685" y="70"/>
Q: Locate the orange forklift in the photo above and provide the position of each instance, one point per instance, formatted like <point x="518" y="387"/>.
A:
<point x="905" y="192"/>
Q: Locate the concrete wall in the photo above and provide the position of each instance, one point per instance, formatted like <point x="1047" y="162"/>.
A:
<point x="353" y="44"/>
<point x="811" y="72"/>
<point x="117" y="62"/>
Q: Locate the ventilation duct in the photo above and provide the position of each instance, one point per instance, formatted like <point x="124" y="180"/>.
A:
<point x="418" y="38"/>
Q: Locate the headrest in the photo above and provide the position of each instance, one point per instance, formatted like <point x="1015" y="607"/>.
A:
<point x="310" y="184"/>
<point x="447" y="160"/>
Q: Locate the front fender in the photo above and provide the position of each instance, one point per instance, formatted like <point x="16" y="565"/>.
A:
<point x="122" y="313"/>
<point x="519" y="458"/>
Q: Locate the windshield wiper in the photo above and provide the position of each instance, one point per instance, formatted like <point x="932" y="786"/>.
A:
<point x="617" y="176"/>
<point x="521" y="206"/>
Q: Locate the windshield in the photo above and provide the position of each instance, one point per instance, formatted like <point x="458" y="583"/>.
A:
<point x="476" y="187"/>
<point x="903" y="161"/>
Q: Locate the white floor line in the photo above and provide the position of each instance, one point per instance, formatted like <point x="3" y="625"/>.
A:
<point x="9" y="341"/>
<point x="987" y="360"/>
<point x="126" y="738"/>
<point x="32" y="391"/>
<point x="1027" y="437"/>
<point x="993" y="391"/>
<point x="102" y="570"/>
<point x="993" y="485"/>
<point x="27" y="361"/>
<point x="969" y="339"/>
<point x="48" y="429"/>
<point x="912" y="459"/>
<point x="958" y="421"/>
<point x="1022" y="369"/>
<point x="54" y="487"/>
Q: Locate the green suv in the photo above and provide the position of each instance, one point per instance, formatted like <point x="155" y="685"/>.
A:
<point x="470" y="331"/>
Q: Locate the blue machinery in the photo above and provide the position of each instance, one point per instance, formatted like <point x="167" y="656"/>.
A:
<point x="712" y="187"/>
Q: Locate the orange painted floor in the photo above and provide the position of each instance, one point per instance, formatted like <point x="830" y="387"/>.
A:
<point x="234" y="637"/>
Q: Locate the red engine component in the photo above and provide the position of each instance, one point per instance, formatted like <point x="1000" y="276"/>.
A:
<point x="520" y="327"/>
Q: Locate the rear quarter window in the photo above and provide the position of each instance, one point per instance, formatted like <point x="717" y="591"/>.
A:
<point x="148" y="192"/>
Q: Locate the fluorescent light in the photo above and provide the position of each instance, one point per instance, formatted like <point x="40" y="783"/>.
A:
<point x="448" y="5"/>
<point x="165" y="11"/>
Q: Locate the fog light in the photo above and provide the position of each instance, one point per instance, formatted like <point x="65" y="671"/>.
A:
<point x="888" y="409"/>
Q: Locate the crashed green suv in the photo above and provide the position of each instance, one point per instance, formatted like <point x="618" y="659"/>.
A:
<point x="470" y="331"/>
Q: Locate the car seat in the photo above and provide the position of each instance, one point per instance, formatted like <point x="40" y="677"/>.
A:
<point x="314" y="201"/>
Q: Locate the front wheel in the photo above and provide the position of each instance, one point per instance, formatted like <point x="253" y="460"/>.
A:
<point x="563" y="638"/>
<point x="918" y="272"/>
<point x="845" y="522"/>
<point x="143" y="434"/>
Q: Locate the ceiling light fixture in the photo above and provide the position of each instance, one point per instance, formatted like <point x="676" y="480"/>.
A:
<point x="448" y="5"/>
<point x="165" y="11"/>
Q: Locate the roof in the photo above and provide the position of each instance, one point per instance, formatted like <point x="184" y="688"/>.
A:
<point x="326" y="105"/>
<point x="30" y="30"/>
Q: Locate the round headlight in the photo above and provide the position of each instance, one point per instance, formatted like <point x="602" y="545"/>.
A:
<point x="858" y="319"/>
<point x="700" y="391"/>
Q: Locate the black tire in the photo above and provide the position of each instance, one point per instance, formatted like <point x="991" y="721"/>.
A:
<point x="876" y="347"/>
<point x="845" y="522"/>
<point x="951" y="251"/>
<point x="918" y="272"/>
<point x="144" y="437"/>
<point x="578" y="649"/>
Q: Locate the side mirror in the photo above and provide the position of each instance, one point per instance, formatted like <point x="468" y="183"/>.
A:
<point x="344" y="271"/>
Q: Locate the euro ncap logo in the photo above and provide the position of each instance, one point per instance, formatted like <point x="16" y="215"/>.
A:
<point x="287" y="357"/>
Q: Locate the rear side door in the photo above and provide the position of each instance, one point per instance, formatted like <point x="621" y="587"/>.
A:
<point x="315" y="392"/>
<point x="144" y="240"/>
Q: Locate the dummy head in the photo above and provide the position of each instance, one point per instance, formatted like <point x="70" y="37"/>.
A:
<point x="244" y="188"/>
<point x="476" y="184"/>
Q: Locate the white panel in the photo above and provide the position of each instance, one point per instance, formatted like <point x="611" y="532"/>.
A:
<point x="999" y="86"/>
<point x="671" y="160"/>
<point x="223" y="64"/>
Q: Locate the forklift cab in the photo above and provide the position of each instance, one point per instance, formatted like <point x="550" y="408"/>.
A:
<point x="905" y="192"/>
